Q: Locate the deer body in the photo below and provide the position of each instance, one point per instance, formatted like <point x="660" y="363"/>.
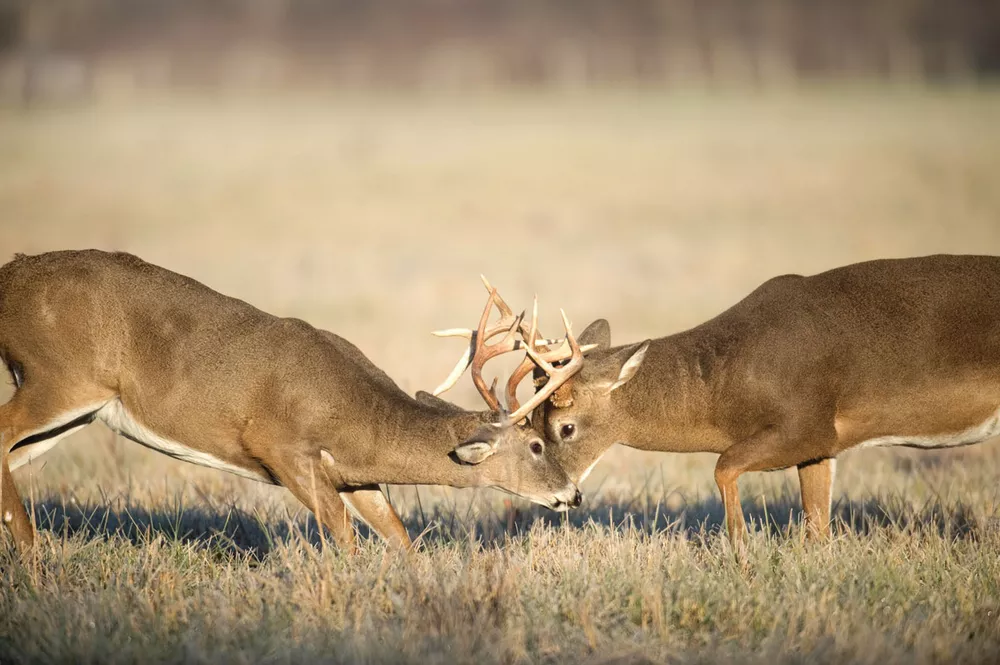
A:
<point x="891" y="352"/>
<point x="202" y="377"/>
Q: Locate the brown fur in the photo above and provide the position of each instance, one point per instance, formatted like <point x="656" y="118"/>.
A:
<point x="273" y="398"/>
<point x="800" y="370"/>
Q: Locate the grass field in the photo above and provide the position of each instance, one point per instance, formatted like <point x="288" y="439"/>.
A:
<point x="373" y="216"/>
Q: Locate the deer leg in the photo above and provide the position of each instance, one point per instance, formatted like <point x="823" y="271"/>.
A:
<point x="318" y="494"/>
<point x="769" y="450"/>
<point x="303" y="475"/>
<point x="369" y="504"/>
<point x="331" y="512"/>
<point x="14" y="514"/>
<point x="726" y="477"/>
<point x="816" y="485"/>
<point x="29" y="413"/>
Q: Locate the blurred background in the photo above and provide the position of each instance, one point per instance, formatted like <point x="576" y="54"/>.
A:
<point x="359" y="164"/>
<point x="94" y="45"/>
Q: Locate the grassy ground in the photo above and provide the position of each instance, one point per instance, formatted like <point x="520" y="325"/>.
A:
<point x="372" y="217"/>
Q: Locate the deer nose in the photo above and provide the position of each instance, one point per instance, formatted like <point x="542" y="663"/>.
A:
<point x="577" y="500"/>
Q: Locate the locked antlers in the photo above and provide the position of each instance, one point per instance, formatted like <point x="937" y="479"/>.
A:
<point x="546" y="361"/>
<point x="559" y="363"/>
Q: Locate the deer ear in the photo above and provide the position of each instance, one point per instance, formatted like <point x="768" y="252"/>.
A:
<point x="428" y="399"/>
<point x="598" y="332"/>
<point x="478" y="447"/>
<point x="474" y="452"/>
<point x="634" y="356"/>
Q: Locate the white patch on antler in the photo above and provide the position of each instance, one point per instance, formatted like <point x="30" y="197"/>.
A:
<point x="456" y="373"/>
<point x="453" y="332"/>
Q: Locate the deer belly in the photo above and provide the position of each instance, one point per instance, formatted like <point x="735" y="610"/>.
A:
<point x="117" y="418"/>
<point x="975" y="434"/>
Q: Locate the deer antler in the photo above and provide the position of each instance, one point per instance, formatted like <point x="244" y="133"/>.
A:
<point x="527" y="365"/>
<point x="530" y="336"/>
<point x="479" y="352"/>
<point x="475" y="337"/>
<point x="507" y="320"/>
<point x="539" y="352"/>
<point x="482" y="352"/>
<point x="568" y="351"/>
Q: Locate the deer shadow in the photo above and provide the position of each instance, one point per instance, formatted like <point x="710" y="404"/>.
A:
<point x="238" y="532"/>
<point x="704" y="516"/>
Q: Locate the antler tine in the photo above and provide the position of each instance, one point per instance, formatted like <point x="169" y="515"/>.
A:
<point x="557" y="375"/>
<point x="569" y="336"/>
<point x="456" y="373"/>
<point x="479" y="356"/>
<point x="483" y="354"/>
<point x="453" y="332"/>
<point x="531" y="341"/>
<point x="507" y="323"/>
<point x="501" y="304"/>
<point x="533" y="333"/>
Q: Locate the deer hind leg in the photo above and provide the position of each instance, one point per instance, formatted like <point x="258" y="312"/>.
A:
<point x="371" y="505"/>
<point x="816" y="486"/>
<point x="14" y="514"/>
<point x="32" y="415"/>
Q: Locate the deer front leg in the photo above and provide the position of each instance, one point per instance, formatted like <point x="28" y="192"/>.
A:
<point x="727" y="478"/>
<point x="816" y="486"/>
<point x="770" y="449"/>
<point x="369" y="504"/>
<point x="311" y="486"/>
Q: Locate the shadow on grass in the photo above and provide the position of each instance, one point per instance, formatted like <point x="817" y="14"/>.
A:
<point x="238" y="532"/>
<point x="694" y="520"/>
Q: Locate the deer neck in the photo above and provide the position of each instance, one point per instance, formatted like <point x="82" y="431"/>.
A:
<point x="668" y="405"/>
<point x="411" y="444"/>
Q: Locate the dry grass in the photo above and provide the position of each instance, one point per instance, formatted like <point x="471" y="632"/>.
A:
<point x="366" y="215"/>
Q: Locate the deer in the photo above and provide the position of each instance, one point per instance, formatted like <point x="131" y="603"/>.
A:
<point x="896" y="352"/>
<point x="169" y="363"/>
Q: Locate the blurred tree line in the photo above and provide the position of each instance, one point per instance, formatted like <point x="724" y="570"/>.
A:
<point x="457" y="43"/>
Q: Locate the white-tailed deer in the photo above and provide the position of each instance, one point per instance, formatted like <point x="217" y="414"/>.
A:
<point x="180" y="368"/>
<point x="883" y="353"/>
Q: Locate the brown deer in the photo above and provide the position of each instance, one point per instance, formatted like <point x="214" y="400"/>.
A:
<point x="180" y="368"/>
<point x="883" y="353"/>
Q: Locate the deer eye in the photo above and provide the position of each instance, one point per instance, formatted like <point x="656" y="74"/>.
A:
<point x="536" y="447"/>
<point x="567" y="431"/>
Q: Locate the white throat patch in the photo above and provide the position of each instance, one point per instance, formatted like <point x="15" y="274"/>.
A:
<point x="590" y="468"/>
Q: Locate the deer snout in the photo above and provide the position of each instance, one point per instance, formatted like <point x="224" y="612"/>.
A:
<point x="566" y="499"/>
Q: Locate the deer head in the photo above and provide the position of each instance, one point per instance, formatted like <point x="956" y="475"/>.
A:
<point x="573" y="407"/>
<point x="527" y="462"/>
